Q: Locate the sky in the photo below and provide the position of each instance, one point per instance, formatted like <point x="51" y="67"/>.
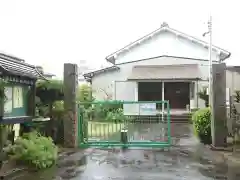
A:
<point x="53" y="32"/>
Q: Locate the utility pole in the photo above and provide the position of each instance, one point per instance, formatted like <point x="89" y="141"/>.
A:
<point x="210" y="59"/>
<point x="217" y="97"/>
<point x="210" y="92"/>
<point x="210" y="96"/>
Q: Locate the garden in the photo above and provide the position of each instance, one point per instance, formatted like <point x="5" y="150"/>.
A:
<point x="39" y="148"/>
<point x="104" y="120"/>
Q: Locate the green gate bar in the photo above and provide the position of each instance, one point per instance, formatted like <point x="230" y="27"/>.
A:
<point x="100" y="124"/>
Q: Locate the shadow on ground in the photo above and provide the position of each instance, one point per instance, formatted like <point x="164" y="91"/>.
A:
<point x="186" y="159"/>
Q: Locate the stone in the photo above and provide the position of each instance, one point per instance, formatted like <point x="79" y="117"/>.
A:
<point x="219" y="115"/>
<point x="70" y="105"/>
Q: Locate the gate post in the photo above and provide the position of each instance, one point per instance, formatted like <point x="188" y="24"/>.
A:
<point x="70" y="86"/>
<point x="219" y="116"/>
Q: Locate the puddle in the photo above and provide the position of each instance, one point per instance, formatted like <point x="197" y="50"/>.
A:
<point x="187" y="160"/>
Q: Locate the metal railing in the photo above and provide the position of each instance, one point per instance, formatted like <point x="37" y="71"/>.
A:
<point x="124" y="124"/>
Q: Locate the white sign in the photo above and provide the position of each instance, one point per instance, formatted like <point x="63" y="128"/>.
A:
<point x="148" y="109"/>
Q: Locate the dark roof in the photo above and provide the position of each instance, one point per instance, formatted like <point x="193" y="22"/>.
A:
<point x="234" y="68"/>
<point x="16" y="66"/>
<point x="164" y="28"/>
<point x="93" y="73"/>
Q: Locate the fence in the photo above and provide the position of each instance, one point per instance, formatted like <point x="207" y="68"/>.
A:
<point x="124" y="124"/>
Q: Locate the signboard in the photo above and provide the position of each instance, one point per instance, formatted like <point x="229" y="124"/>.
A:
<point x="148" y="109"/>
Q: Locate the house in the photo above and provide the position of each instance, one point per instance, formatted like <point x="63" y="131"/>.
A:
<point x="49" y="75"/>
<point x="19" y="77"/>
<point x="166" y="64"/>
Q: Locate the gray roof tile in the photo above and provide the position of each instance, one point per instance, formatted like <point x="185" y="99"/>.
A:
<point x="17" y="66"/>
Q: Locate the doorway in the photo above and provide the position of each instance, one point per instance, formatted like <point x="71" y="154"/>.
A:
<point x="178" y="94"/>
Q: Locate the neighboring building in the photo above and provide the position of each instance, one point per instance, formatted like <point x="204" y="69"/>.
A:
<point x="49" y="75"/>
<point x="18" y="106"/>
<point x="46" y="75"/>
<point x="233" y="78"/>
<point x="163" y="65"/>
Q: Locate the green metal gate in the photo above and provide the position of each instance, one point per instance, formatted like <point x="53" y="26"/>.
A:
<point x="124" y="124"/>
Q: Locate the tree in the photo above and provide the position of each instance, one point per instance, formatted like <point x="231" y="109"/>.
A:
<point x="49" y="92"/>
<point x="84" y="93"/>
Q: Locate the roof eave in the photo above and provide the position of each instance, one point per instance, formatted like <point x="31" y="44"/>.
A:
<point x="228" y="56"/>
<point x="88" y="75"/>
<point x="88" y="78"/>
<point x="111" y="59"/>
<point x="91" y="74"/>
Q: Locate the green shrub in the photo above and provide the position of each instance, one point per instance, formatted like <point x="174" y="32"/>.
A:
<point x="116" y="116"/>
<point x="33" y="150"/>
<point x="100" y="112"/>
<point x="202" y="125"/>
<point x="236" y="99"/>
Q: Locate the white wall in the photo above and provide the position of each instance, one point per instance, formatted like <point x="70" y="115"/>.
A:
<point x="233" y="81"/>
<point x="166" y="43"/>
<point x="106" y="80"/>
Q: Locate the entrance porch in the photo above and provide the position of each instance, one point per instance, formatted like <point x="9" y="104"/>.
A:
<point x="179" y="94"/>
<point x="177" y="84"/>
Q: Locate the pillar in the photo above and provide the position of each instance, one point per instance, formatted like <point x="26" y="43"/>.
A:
<point x="70" y="85"/>
<point x="163" y="105"/>
<point x="192" y="95"/>
<point x="219" y="116"/>
<point x="136" y="92"/>
<point x="196" y="95"/>
<point x="163" y="109"/>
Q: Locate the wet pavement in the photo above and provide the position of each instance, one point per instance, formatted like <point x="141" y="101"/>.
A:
<point x="186" y="159"/>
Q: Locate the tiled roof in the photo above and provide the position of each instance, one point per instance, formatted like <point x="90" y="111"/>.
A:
<point x="16" y="66"/>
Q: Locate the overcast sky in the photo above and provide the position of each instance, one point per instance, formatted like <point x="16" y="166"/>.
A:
<point x="51" y="32"/>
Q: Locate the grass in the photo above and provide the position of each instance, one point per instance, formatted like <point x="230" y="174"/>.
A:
<point x="103" y="129"/>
